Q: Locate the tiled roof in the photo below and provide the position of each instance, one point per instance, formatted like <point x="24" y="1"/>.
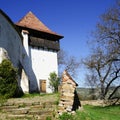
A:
<point x="32" y="22"/>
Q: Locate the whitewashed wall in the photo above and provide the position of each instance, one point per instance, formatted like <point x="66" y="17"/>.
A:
<point x="43" y="63"/>
<point x="37" y="64"/>
<point x="29" y="80"/>
<point x="10" y="40"/>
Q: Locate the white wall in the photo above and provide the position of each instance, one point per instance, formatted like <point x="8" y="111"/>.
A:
<point x="11" y="42"/>
<point x="37" y="64"/>
<point x="29" y="81"/>
<point x="3" y="54"/>
<point x="43" y="63"/>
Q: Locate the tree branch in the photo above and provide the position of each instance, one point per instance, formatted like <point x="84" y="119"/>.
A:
<point x="110" y="97"/>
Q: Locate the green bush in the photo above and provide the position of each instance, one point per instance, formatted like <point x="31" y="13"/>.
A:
<point x="66" y="116"/>
<point x="8" y="79"/>
<point x="54" y="81"/>
<point x="48" y="118"/>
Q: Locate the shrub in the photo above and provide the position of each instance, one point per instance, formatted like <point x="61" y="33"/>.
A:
<point x="8" y="79"/>
<point x="66" y="116"/>
<point x="54" y="81"/>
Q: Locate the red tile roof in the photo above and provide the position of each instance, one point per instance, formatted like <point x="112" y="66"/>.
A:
<point x="32" y="22"/>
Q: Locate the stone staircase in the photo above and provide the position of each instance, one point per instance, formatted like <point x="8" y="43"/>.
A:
<point x="28" y="110"/>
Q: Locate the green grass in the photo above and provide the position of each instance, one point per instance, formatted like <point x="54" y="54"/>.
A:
<point x="99" y="113"/>
<point x="95" y="113"/>
<point x="32" y="95"/>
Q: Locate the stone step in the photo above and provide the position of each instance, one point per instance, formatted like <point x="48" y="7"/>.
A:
<point x="19" y="117"/>
<point x="34" y="112"/>
<point x="35" y="116"/>
<point x="21" y="103"/>
<point x="8" y="107"/>
<point x="25" y="110"/>
<point x="24" y="116"/>
<point x="45" y="104"/>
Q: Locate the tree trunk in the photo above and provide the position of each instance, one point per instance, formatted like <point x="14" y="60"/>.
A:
<point x="102" y="96"/>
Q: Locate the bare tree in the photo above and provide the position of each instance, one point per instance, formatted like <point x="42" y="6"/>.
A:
<point x="104" y="71"/>
<point x="105" y="59"/>
<point x="69" y="63"/>
<point x="91" y="79"/>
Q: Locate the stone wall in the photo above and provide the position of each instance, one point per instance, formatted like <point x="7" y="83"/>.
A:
<point x="69" y="100"/>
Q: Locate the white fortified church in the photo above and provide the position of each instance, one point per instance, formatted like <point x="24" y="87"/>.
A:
<point x="32" y="48"/>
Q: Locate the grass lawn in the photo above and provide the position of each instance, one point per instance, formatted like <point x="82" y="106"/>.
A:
<point x="99" y="113"/>
<point x="95" y="113"/>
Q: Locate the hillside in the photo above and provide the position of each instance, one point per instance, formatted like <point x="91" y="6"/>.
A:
<point x="93" y="93"/>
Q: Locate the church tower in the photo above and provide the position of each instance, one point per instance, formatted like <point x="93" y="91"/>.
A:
<point x="40" y="47"/>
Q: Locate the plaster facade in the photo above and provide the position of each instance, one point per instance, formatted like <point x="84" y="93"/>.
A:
<point x="10" y="40"/>
<point x="43" y="63"/>
<point x="34" y="63"/>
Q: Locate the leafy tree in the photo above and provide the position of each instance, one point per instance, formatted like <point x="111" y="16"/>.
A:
<point x="8" y="79"/>
<point x="104" y="60"/>
<point x="54" y="81"/>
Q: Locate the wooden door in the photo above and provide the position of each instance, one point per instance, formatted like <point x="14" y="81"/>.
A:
<point x="42" y="85"/>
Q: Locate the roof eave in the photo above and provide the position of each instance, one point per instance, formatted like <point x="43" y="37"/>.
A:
<point x="50" y="33"/>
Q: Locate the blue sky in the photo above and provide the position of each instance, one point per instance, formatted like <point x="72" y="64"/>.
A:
<point x="74" y="19"/>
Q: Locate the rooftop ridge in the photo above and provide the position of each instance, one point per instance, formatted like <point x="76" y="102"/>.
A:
<point x="32" y="22"/>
